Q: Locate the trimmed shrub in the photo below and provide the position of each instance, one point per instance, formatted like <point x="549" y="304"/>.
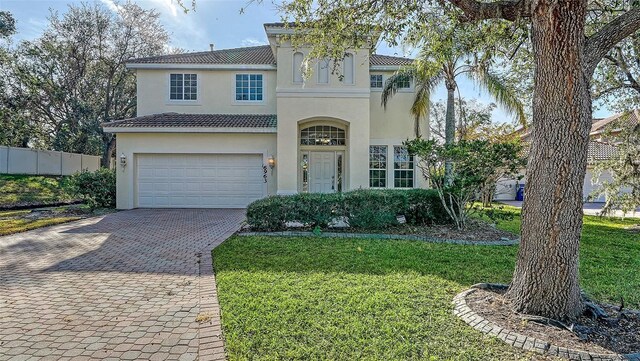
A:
<point x="374" y="209"/>
<point x="97" y="189"/>
<point x="269" y="214"/>
<point x="364" y="209"/>
<point x="425" y="208"/>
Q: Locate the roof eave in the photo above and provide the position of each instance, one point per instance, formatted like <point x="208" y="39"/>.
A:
<point x="258" y="130"/>
<point x="385" y="67"/>
<point x="192" y="66"/>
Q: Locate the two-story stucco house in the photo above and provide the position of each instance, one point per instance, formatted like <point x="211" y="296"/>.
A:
<point x="223" y="128"/>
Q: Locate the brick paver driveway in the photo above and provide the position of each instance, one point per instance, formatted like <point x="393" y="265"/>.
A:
<point x="125" y="286"/>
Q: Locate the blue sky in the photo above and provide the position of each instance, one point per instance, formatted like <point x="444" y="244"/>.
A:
<point x="214" y="21"/>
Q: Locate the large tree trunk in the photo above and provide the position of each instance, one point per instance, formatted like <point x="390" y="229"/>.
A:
<point x="449" y="127"/>
<point x="545" y="281"/>
<point x="110" y="147"/>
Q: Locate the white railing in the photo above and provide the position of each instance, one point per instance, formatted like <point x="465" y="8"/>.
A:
<point x="44" y="162"/>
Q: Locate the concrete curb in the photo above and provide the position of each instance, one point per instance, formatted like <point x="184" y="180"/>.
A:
<point x="464" y="312"/>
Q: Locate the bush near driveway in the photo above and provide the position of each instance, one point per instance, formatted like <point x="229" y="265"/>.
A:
<point x="364" y="209"/>
<point x="97" y="189"/>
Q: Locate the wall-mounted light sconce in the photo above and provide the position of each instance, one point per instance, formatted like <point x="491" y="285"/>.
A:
<point x="123" y="160"/>
<point x="272" y="162"/>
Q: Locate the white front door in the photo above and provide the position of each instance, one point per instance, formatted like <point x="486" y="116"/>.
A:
<point x="322" y="172"/>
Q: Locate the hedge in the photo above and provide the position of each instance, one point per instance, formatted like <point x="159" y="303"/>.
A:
<point x="97" y="189"/>
<point x="362" y="209"/>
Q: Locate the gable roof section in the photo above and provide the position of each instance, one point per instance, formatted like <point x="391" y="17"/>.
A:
<point x="255" y="55"/>
<point x="247" y="123"/>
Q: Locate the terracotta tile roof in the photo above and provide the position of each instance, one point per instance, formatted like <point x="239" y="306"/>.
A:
<point x="176" y="120"/>
<point x="600" y="151"/>
<point x="615" y="122"/>
<point x="377" y="59"/>
<point x="255" y="55"/>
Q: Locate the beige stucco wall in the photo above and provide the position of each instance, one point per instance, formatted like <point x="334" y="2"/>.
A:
<point x="353" y="111"/>
<point x="202" y="143"/>
<point x="216" y="93"/>
<point x="285" y="72"/>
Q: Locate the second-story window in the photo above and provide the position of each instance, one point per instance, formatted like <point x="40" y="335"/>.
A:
<point x="404" y="82"/>
<point x="376" y="81"/>
<point x="183" y="87"/>
<point x="249" y="87"/>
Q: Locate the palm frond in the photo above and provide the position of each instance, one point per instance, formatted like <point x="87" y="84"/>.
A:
<point x="420" y="106"/>
<point x="392" y="84"/>
<point x="503" y="95"/>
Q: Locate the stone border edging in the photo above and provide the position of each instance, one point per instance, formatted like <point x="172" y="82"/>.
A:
<point x="210" y="337"/>
<point x="464" y="312"/>
<point x="381" y="236"/>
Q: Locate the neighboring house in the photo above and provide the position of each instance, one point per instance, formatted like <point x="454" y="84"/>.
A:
<point x="226" y="127"/>
<point x="601" y="147"/>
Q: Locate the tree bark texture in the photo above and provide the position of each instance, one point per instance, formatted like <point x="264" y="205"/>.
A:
<point x="545" y="281"/>
<point x="449" y="128"/>
<point x="110" y="147"/>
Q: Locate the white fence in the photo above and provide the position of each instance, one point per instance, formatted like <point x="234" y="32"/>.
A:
<point x="45" y="162"/>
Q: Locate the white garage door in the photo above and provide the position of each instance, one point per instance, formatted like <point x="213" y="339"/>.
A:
<point x="199" y="180"/>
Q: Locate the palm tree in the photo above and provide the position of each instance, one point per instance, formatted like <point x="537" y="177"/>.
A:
<point x="429" y="71"/>
<point x="427" y="75"/>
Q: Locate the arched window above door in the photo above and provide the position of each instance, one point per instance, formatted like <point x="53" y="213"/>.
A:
<point x="322" y="135"/>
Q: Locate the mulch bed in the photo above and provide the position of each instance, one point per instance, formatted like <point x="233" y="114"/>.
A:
<point x="34" y="205"/>
<point x="476" y="230"/>
<point x="75" y="211"/>
<point x="618" y="333"/>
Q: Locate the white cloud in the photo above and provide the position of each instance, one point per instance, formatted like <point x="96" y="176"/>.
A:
<point x="252" y="42"/>
<point x="170" y="6"/>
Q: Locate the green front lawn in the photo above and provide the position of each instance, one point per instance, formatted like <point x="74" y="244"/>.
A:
<point x="345" y="299"/>
<point x="17" y="190"/>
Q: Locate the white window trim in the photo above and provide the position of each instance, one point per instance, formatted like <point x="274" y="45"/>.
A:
<point x="170" y="101"/>
<point x="377" y="89"/>
<point x="249" y="102"/>
<point x="386" y="170"/>
<point x="393" y="169"/>
<point x="410" y="89"/>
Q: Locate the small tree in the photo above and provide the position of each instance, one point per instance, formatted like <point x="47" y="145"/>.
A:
<point x="475" y="164"/>
<point x="625" y="171"/>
